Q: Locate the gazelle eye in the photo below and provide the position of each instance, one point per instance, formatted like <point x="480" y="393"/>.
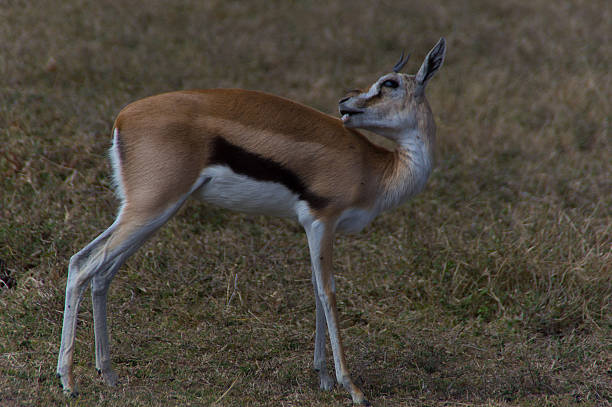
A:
<point x="390" y="84"/>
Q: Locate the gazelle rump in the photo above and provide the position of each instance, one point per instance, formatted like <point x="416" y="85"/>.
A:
<point x="254" y="152"/>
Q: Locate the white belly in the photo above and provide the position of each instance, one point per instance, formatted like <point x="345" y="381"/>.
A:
<point x="238" y="192"/>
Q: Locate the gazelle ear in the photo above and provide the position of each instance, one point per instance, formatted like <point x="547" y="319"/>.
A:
<point x="433" y="61"/>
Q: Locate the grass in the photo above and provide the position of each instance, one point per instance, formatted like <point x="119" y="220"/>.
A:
<point x="491" y="288"/>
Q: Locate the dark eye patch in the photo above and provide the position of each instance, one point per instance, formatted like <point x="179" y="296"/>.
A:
<point x="390" y="83"/>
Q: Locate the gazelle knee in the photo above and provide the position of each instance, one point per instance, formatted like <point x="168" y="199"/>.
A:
<point x="79" y="275"/>
<point x="78" y="260"/>
<point x="75" y="264"/>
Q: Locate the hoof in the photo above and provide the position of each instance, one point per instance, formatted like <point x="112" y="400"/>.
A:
<point x="68" y="386"/>
<point x="356" y="394"/>
<point x="326" y="382"/>
<point x="110" y="377"/>
<point x="71" y="393"/>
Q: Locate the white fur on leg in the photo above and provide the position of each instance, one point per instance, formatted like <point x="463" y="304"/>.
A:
<point x="320" y="362"/>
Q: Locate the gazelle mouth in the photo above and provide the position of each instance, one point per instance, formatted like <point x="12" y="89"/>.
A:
<point x="346" y="113"/>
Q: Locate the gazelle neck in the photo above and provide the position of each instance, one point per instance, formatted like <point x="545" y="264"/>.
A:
<point x="410" y="168"/>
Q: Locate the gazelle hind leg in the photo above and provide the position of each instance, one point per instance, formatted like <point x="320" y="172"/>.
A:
<point x="99" y="290"/>
<point x="99" y="265"/>
<point x="83" y="266"/>
<point x="100" y="260"/>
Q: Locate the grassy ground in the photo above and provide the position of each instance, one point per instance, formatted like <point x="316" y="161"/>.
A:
<point x="493" y="287"/>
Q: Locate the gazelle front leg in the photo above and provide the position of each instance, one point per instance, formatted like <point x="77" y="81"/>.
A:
<point x="320" y="241"/>
<point x="320" y="361"/>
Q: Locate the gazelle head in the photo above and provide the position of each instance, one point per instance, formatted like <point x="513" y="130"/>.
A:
<point x="391" y="104"/>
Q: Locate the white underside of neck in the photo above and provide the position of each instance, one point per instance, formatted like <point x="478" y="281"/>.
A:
<point x="411" y="171"/>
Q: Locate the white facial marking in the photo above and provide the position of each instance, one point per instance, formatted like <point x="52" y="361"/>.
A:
<point x="373" y="91"/>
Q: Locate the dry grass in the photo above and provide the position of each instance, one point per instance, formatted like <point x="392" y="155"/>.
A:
<point x="491" y="288"/>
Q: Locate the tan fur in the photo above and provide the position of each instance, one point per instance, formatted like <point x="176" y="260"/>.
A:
<point x="165" y="144"/>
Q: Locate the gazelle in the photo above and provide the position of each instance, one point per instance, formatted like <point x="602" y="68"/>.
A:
<point x="254" y="152"/>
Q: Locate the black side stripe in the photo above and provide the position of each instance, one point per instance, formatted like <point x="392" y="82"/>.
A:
<point x="262" y="169"/>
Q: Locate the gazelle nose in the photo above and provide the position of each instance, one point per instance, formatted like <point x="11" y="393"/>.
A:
<point x="344" y="99"/>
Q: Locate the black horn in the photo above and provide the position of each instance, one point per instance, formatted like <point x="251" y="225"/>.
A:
<point x="400" y="64"/>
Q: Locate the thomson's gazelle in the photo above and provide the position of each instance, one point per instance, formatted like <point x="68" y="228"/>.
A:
<point x="254" y="152"/>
